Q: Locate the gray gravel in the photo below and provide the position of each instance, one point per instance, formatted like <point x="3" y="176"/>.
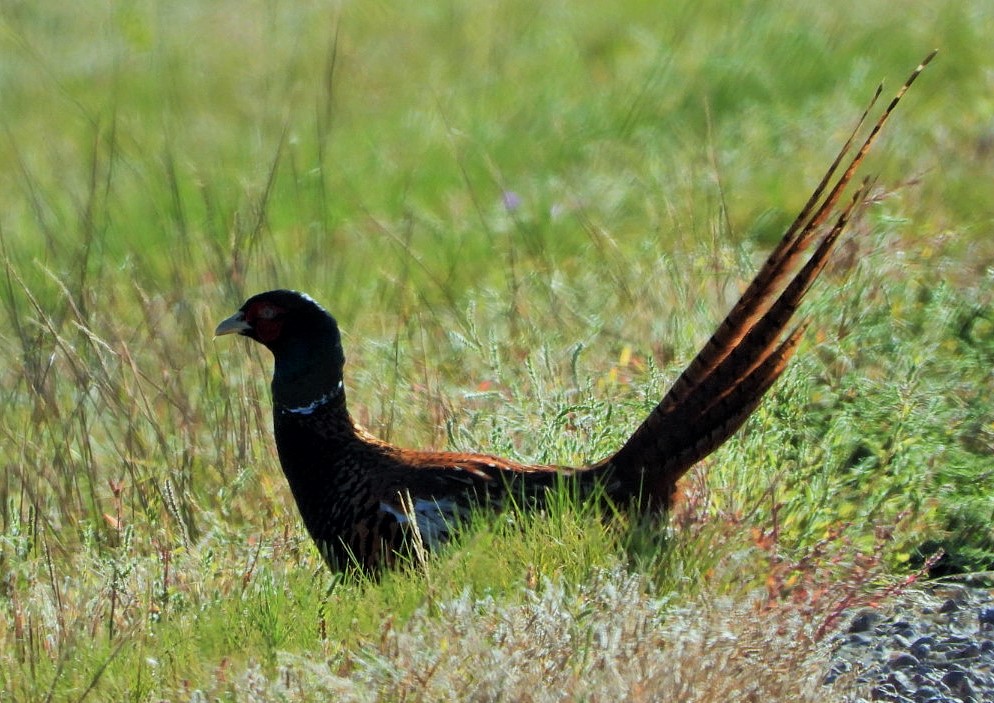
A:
<point x="934" y="645"/>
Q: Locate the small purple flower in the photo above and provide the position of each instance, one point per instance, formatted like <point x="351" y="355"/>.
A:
<point x="511" y="200"/>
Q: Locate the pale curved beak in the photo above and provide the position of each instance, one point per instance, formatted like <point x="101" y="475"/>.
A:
<point x="235" y="324"/>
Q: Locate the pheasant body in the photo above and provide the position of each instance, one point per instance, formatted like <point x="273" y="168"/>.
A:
<point x="366" y="502"/>
<point x="361" y="498"/>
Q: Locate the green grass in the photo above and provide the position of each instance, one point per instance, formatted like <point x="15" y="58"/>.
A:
<point x="162" y="161"/>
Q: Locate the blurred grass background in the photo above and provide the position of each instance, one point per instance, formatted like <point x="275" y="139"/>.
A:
<point x="526" y="217"/>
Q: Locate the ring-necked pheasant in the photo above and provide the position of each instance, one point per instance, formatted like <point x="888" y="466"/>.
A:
<point x="365" y="501"/>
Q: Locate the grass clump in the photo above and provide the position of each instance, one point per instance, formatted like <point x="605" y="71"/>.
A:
<point x="607" y="637"/>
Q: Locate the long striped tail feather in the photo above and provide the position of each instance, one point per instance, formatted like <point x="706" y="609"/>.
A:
<point x="725" y="382"/>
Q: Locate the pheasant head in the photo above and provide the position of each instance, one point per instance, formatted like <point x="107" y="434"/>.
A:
<point x="305" y="342"/>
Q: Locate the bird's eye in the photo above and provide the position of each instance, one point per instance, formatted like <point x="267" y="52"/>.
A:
<point x="268" y="312"/>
